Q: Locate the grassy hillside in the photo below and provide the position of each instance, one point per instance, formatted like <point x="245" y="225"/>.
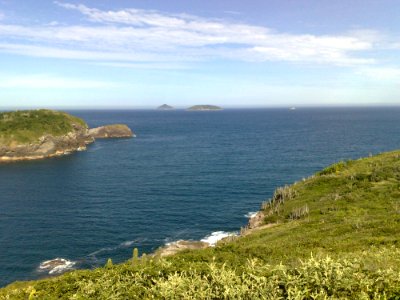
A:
<point x="22" y="127"/>
<point x="333" y="235"/>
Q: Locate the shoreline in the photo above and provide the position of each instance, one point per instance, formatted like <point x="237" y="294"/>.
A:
<point x="60" y="265"/>
<point x="11" y="159"/>
<point x="255" y="222"/>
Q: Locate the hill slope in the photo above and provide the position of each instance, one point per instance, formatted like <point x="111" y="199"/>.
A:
<point x="28" y="126"/>
<point x="333" y="235"/>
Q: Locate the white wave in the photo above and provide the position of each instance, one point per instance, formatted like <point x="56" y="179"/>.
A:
<point x="127" y="244"/>
<point x="216" y="236"/>
<point x="122" y="245"/>
<point x="251" y="214"/>
<point x="56" y="265"/>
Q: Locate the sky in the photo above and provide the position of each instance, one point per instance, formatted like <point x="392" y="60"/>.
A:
<point x="233" y="53"/>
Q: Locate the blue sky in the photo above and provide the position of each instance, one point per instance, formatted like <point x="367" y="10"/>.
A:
<point x="233" y="53"/>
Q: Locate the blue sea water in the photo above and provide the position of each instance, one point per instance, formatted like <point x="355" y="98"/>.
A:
<point x="185" y="175"/>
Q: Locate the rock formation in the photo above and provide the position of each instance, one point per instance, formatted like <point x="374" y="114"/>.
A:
<point x="111" y="131"/>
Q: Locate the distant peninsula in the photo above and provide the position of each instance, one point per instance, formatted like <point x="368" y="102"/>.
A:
<point x="204" y="107"/>
<point x="165" y="107"/>
<point x="38" y="134"/>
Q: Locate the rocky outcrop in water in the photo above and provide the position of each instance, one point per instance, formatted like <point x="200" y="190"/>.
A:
<point x="111" y="131"/>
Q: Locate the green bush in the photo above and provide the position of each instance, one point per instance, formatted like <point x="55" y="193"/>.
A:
<point x="314" y="278"/>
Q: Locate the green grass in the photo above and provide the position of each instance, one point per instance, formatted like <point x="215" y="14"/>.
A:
<point x="22" y="127"/>
<point x="336" y="236"/>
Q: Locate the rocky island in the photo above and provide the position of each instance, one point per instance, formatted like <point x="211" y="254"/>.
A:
<point x="204" y="107"/>
<point x="37" y="134"/>
<point x="165" y="107"/>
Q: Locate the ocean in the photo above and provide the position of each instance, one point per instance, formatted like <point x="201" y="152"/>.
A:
<point x="187" y="175"/>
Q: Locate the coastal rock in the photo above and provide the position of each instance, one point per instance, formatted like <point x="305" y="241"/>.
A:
<point x="111" y="131"/>
<point x="181" y="245"/>
<point x="256" y="220"/>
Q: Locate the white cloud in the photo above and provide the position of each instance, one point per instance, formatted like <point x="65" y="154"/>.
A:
<point x="52" y="52"/>
<point x="146" y="66"/>
<point x="44" y="81"/>
<point x="381" y="73"/>
<point x="146" y="35"/>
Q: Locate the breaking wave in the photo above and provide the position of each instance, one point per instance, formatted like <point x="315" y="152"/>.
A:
<point x="216" y="236"/>
<point x="250" y="214"/>
<point x="56" y="266"/>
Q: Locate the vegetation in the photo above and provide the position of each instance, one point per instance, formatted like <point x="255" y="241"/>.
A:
<point x="334" y="235"/>
<point x="21" y="127"/>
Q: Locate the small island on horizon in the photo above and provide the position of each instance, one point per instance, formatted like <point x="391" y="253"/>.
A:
<point x="165" y="107"/>
<point x="204" y="107"/>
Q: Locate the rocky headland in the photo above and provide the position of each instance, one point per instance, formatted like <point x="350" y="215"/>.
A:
<point x="39" y="134"/>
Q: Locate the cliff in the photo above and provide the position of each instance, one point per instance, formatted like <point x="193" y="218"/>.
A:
<point x="38" y="134"/>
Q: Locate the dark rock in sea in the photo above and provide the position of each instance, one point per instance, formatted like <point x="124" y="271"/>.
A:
<point x="111" y="131"/>
<point x="165" y="107"/>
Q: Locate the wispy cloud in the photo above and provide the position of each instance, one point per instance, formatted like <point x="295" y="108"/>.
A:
<point x="136" y="35"/>
<point x="45" y="81"/>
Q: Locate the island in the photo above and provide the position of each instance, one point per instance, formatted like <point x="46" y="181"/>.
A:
<point x="38" y="134"/>
<point x="165" y="107"/>
<point x="204" y="107"/>
<point x="333" y="235"/>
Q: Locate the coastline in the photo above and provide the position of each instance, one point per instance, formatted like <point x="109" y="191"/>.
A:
<point x="59" y="265"/>
<point x="54" y="146"/>
<point x="255" y="222"/>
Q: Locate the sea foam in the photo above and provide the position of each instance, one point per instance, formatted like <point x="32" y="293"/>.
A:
<point x="251" y="214"/>
<point x="56" y="265"/>
<point x="216" y="236"/>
